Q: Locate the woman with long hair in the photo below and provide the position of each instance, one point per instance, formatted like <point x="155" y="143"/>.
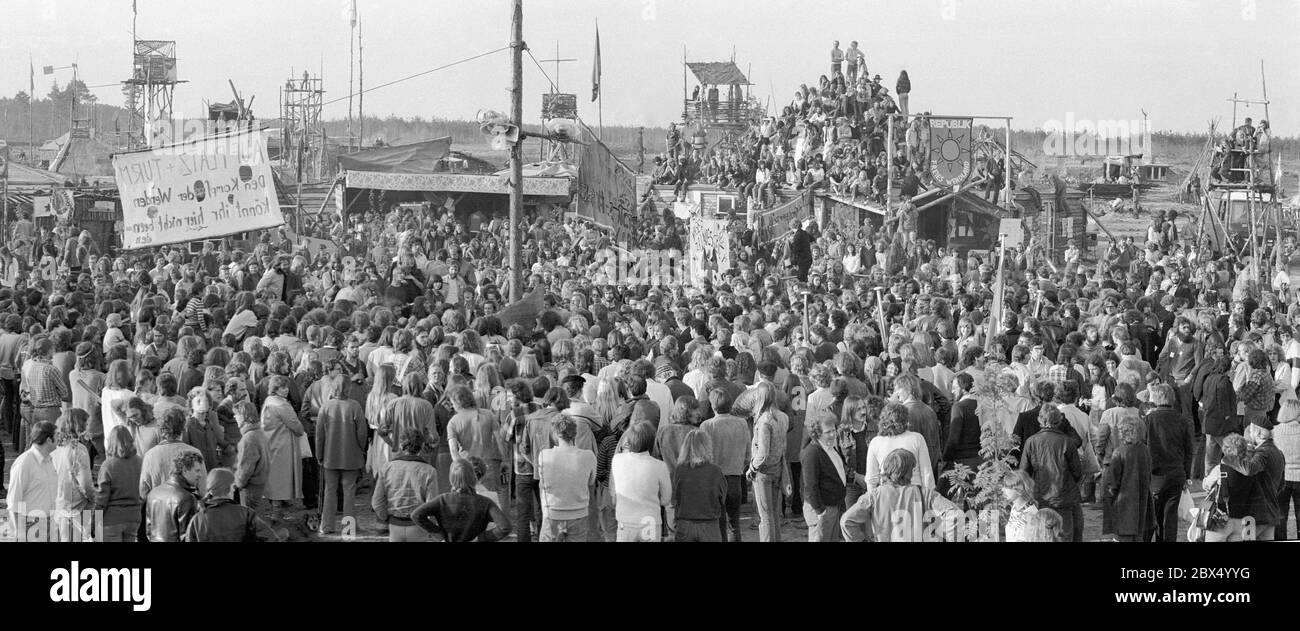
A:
<point x="118" y="492"/>
<point x="487" y="385"/>
<point x="381" y="394"/>
<point x="856" y="429"/>
<point x="75" y="491"/>
<point x="638" y="485"/>
<point x="699" y="490"/>
<point x="1018" y="493"/>
<point x="140" y="422"/>
<point x="87" y="384"/>
<point x="608" y="401"/>
<point x="528" y="367"/>
<point x="898" y="493"/>
<point x="411" y="411"/>
<point x="471" y="348"/>
<point x="119" y="385"/>
<point x="894" y="434"/>
<point x="767" y="467"/>
<point x="684" y="419"/>
<point x="462" y="514"/>
<point x="404" y="358"/>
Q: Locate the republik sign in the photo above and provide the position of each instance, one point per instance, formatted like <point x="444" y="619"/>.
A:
<point x="203" y="189"/>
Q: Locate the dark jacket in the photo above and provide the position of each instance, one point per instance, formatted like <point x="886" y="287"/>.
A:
<point x="821" y="483"/>
<point x="118" y="494"/>
<point x="1254" y="489"/>
<point x="699" y="492"/>
<point x="1170" y="437"/>
<point x="341" y="435"/>
<point x="169" y="508"/>
<point x="800" y="247"/>
<point x="209" y="439"/>
<point x="1218" y="401"/>
<point x="1126" y="486"/>
<point x="922" y="419"/>
<point x="963" y="432"/>
<point x="1027" y="425"/>
<point x="221" y="519"/>
<point x="1052" y="459"/>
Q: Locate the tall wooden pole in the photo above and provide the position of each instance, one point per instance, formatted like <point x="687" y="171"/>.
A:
<point x="361" y="89"/>
<point x="352" y="66"/>
<point x="517" y="152"/>
<point x="1006" y="169"/>
<point x="889" y="163"/>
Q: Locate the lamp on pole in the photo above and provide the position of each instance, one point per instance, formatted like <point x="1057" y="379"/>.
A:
<point x="72" y="109"/>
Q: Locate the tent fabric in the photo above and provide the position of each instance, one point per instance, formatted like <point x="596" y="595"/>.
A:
<point x="420" y="157"/>
<point x="21" y="175"/>
<point x="84" y="157"/>
<point x="718" y="73"/>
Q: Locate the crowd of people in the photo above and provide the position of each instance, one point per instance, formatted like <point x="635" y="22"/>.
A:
<point x="219" y="395"/>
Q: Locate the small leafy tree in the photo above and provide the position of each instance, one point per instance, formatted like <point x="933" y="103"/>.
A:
<point x="980" y="489"/>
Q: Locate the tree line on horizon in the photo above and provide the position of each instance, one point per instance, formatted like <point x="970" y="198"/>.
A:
<point x="51" y="115"/>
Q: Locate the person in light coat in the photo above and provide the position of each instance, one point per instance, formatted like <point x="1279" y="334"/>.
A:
<point x="284" y="434"/>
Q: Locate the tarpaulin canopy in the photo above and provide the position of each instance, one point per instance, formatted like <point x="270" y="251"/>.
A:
<point x="718" y="73"/>
<point x="25" y="176"/>
<point x="83" y="157"/>
<point x="421" y="157"/>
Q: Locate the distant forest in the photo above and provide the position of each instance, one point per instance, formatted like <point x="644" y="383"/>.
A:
<point x="51" y="117"/>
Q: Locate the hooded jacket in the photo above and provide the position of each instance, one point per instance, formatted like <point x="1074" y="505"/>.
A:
<point x="221" y="519"/>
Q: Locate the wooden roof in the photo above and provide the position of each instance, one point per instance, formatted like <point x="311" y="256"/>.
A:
<point x="718" y="73"/>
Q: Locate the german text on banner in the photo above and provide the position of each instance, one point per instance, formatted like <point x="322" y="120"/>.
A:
<point x="205" y="189"/>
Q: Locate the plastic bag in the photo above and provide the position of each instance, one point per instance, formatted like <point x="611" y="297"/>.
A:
<point x="1185" y="506"/>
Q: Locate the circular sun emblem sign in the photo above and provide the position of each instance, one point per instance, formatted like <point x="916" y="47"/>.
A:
<point x="950" y="150"/>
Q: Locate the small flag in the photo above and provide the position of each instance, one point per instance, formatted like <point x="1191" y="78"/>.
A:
<point x="49" y="70"/>
<point x="353" y="13"/>
<point x="595" y="69"/>
<point x="31" y="76"/>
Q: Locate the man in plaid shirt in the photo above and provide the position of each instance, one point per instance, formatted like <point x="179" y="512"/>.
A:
<point x="43" y="384"/>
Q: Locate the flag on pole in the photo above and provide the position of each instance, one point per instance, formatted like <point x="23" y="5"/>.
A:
<point x="31" y="76"/>
<point x="353" y="13"/>
<point x="595" y="69"/>
<point x="49" y="69"/>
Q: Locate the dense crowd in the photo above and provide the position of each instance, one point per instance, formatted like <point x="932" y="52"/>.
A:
<point x="224" y="393"/>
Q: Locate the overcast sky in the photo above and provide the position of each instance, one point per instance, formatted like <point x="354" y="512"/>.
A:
<point x="1036" y="60"/>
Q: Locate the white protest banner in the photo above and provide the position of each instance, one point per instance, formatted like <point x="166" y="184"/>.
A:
<point x="1014" y="232"/>
<point x="41" y="206"/>
<point x="204" y="189"/>
<point x="710" y="249"/>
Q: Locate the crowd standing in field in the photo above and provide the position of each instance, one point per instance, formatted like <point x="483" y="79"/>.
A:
<point x="220" y="395"/>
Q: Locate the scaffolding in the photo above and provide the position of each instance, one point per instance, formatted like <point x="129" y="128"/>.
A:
<point x="301" y="101"/>
<point x="150" y="90"/>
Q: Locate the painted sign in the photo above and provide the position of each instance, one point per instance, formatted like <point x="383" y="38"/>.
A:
<point x="209" y="188"/>
<point x="951" y="159"/>
<point x="606" y="189"/>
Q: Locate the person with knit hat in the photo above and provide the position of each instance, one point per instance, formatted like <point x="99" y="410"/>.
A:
<point x="221" y="519"/>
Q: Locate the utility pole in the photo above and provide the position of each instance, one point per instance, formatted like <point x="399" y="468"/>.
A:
<point x="517" y="151"/>
<point x="361" y="90"/>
